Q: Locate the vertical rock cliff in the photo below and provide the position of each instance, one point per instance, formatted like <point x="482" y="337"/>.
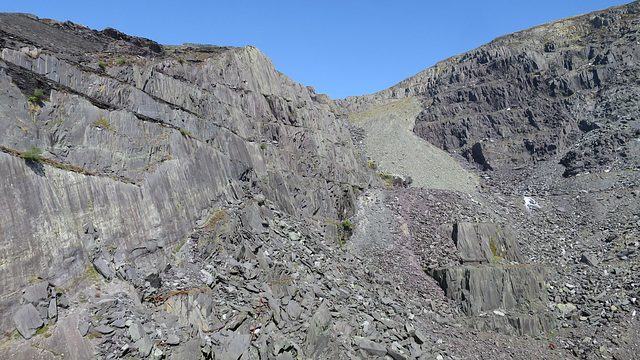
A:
<point x="141" y="143"/>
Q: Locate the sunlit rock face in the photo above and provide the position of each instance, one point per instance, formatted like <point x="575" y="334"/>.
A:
<point x="191" y="202"/>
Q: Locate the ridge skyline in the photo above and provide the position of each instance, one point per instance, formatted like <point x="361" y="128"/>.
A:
<point x="333" y="47"/>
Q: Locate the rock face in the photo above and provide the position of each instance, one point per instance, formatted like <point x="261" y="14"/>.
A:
<point x="552" y="92"/>
<point x="485" y="243"/>
<point x="161" y="139"/>
<point x="191" y="202"/>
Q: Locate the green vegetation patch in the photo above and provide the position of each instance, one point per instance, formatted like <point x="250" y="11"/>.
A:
<point x="180" y="246"/>
<point x="104" y="124"/>
<point x="214" y="218"/>
<point x="43" y="330"/>
<point x="33" y="154"/>
<point x="92" y="274"/>
<point x="38" y="96"/>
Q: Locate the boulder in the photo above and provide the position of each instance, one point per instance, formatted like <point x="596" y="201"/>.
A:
<point x="36" y="291"/>
<point x="589" y="259"/>
<point x="102" y="266"/>
<point x="369" y="346"/>
<point x="28" y="321"/>
<point x="144" y="346"/>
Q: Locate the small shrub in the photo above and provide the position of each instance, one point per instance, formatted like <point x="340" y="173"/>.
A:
<point x="122" y="61"/>
<point x="494" y="249"/>
<point x="33" y="154"/>
<point x="263" y="146"/>
<point x="102" y="65"/>
<point x="38" y="96"/>
<point x="346" y="224"/>
<point x="181" y="60"/>
<point x="185" y="133"/>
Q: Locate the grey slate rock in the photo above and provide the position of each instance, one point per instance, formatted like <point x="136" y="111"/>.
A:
<point x="173" y="339"/>
<point x="319" y="325"/>
<point x="36" y="291"/>
<point x="102" y="266"/>
<point x="165" y="220"/>
<point x="396" y="354"/>
<point x="188" y="351"/>
<point x="43" y="309"/>
<point x="63" y="301"/>
<point x="27" y="320"/>
<point x="119" y="323"/>
<point x="482" y="242"/>
<point x="294" y="310"/>
<point x="420" y="336"/>
<point x="136" y="331"/>
<point x="53" y="310"/>
<point x="369" y="346"/>
<point x="144" y="346"/>
<point x="104" y="329"/>
<point x="589" y="259"/>
<point x="83" y="327"/>
<point x="233" y="346"/>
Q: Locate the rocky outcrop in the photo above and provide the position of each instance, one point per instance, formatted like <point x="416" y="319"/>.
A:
<point x="497" y="284"/>
<point x="485" y="243"/>
<point x="545" y="114"/>
<point x="162" y="139"/>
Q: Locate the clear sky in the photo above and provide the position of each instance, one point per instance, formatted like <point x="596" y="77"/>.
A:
<point x="341" y="48"/>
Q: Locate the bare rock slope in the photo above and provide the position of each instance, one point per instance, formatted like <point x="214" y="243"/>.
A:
<point x="547" y="119"/>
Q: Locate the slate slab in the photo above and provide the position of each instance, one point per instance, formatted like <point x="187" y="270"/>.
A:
<point x="369" y="346"/>
<point x="36" y="291"/>
<point x="27" y="320"/>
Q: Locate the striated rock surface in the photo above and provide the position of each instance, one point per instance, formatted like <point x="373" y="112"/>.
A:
<point x="162" y="140"/>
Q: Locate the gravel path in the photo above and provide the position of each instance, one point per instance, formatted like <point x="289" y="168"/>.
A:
<point x="391" y="144"/>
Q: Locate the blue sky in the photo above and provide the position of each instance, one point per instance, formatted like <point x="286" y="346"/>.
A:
<point x="341" y="48"/>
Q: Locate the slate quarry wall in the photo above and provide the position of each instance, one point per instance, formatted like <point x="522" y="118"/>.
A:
<point x="162" y="142"/>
